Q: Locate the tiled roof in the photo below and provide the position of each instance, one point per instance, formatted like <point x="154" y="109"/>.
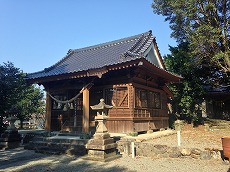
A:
<point x="98" y="56"/>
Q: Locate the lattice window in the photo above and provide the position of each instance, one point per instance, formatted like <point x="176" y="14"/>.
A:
<point x="138" y="98"/>
<point x="151" y="99"/>
<point x="144" y="99"/>
<point x="141" y="98"/>
<point x="147" y="99"/>
<point x="157" y="100"/>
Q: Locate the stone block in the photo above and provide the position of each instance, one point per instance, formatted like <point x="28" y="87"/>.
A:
<point x="185" y="152"/>
<point x="163" y="155"/>
<point x="205" y="155"/>
<point x="120" y="146"/>
<point x="70" y="152"/>
<point x="98" y="155"/>
<point x="127" y="148"/>
<point x="142" y="145"/>
<point x="101" y="147"/>
<point x="216" y="154"/>
<point x="101" y="141"/>
<point x="139" y="152"/>
<point x="148" y="153"/>
<point x="160" y="149"/>
<point x="10" y="145"/>
<point x="195" y="156"/>
<point x="76" y="150"/>
<point x="101" y="136"/>
<point x="174" y="152"/>
<point x="195" y="151"/>
<point x="10" y="139"/>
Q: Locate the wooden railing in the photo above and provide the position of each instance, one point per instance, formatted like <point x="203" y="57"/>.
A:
<point x="148" y="113"/>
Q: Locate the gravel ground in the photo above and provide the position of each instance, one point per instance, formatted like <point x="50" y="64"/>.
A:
<point x="20" y="160"/>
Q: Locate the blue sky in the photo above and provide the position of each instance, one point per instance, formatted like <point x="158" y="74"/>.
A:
<point x="36" y="34"/>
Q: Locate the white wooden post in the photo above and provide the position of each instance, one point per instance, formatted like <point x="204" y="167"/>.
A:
<point x="133" y="149"/>
<point x="178" y="125"/>
<point x="178" y="138"/>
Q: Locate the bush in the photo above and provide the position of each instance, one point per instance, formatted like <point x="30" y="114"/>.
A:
<point x="133" y="134"/>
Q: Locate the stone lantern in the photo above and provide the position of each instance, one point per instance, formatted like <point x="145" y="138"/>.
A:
<point x="101" y="147"/>
<point x="10" y="138"/>
<point x="102" y="115"/>
<point x="11" y="121"/>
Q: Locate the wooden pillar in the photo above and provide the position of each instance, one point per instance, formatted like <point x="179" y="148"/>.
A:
<point x="85" y="118"/>
<point x="48" y="113"/>
<point x="132" y="106"/>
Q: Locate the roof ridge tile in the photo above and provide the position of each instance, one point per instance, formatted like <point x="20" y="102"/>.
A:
<point x="95" y="47"/>
<point x="140" y="46"/>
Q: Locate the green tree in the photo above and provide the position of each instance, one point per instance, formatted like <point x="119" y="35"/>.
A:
<point x="205" y="25"/>
<point x="10" y="79"/>
<point x="188" y="94"/>
<point x="16" y="97"/>
<point x="30" y="102"/>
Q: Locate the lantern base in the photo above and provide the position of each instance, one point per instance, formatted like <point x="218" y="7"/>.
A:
<point x="10" y="139"/>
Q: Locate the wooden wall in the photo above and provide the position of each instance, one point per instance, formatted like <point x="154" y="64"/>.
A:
<point x="131" y="118"/>
<point x="125" y="116"/>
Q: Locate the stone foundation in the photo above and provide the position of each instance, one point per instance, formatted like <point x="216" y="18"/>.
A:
<point x="163" y="151"/>
<point x="99" y="155"/>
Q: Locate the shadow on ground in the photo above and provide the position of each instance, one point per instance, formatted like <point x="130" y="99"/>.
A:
<point x="21" y="160"/>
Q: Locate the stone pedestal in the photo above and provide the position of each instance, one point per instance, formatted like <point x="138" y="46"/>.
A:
<point x="10" y="138"/>
<point x="101" y="147"/>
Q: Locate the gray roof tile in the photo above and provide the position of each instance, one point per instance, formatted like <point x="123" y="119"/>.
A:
<point x="98" y="56"/>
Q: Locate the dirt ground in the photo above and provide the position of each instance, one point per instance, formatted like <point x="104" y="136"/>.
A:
<point x="196" y="137"/>
<point x="199" y="135"/>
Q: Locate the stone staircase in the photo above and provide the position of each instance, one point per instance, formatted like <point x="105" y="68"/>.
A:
<point x="58" y="144"/>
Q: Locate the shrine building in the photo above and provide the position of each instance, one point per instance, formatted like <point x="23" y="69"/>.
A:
<point x="128" y="74"/>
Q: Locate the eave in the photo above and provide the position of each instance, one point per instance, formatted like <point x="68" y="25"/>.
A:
<point x="141" y="62"/>
<point x="168" y="76"/>
<point x="87" y="73"/>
